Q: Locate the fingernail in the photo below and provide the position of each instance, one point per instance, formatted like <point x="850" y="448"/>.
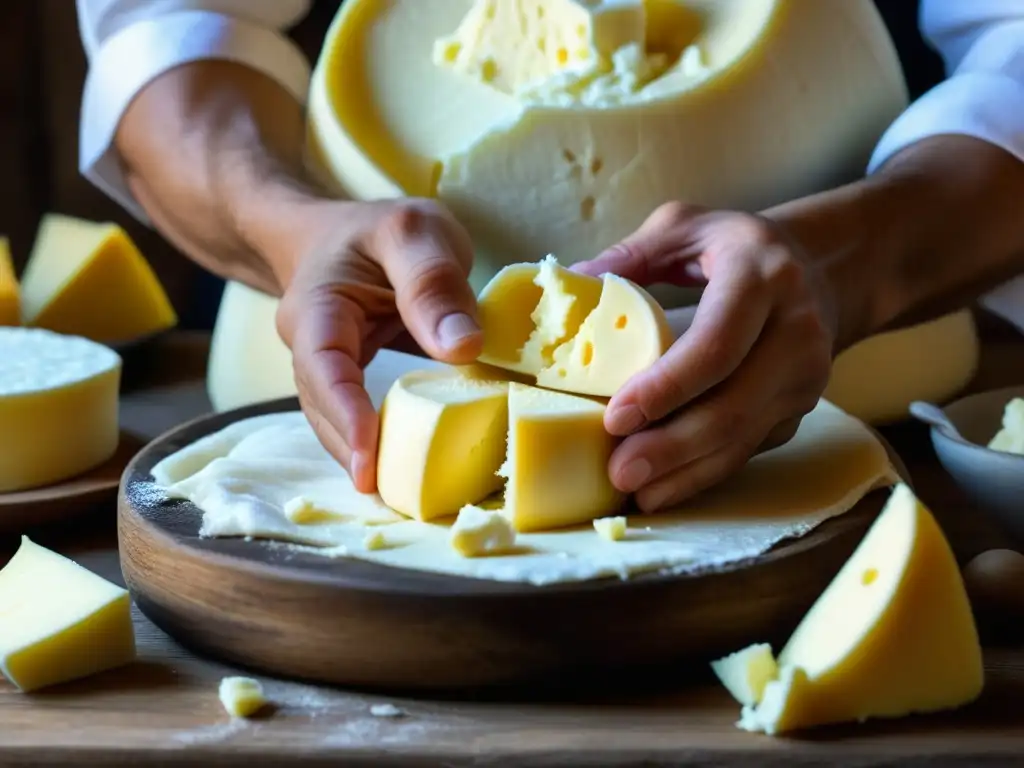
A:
<point x="635" y="474"/>
<point x="625" y="420"/>
<point x="455" y="328"/>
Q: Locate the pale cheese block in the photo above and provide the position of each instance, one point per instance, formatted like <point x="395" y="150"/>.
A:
<point x="892" y="635"/>
<point x="58" y="407"/>
<point x="89" y="279"/>
<point x="241" y="696"/>
<point x="1010" y="438"/>
<point x="59" y="621"/>
<point x="574" y="333"/>
<point x="10" y="303"/>
<point x="509" y="44"/>
<point x="479" y="532"/>
<point x="745" y="673"/>
<point x="557" y="465"/>
<point x="442" y="440"/>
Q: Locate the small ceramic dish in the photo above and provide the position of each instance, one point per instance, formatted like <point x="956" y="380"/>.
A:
<point x="992" y="479"/>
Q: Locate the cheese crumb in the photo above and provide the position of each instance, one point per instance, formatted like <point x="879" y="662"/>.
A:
<point x="482" y="532"/>
<point x="1010" y="439"/>
<point x="375" y="540"/>
<point x="303" y="511"/>
<point x="611" y="528"/>
<point x="241" y="696"/>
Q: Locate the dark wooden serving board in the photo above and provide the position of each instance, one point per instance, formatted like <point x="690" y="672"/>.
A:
<point x="362" y="624"/>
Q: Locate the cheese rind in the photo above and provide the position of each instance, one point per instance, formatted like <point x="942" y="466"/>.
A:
<point x="892" y="635"/>
<point x="745" y="673"/>
<point x="557" y="465"/>
<point x="479" y="532"/>
<point x="1010" y="437"/>
<point x="58" y="407"/>
<point x="10" y="303"/>
<point x="241" y="696"/>
<point x="89" y="279"/>
<point x="59" y="621"/>
<point x="442" y="439"/>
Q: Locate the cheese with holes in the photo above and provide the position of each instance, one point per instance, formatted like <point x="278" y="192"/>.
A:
<point x="478" y="532"/>
<point x="59" y="621"/>
<point x="241" y="696"/>
<point x="575" y="333"/>
<point x="557" y="465"/>
<point x="745" y="673"/>
<point x="509" y="44"/>
<point x="1010" y="438"/>
<point x="58" y="407"/>
<point x="442" y="440"/>
<point x="892" y="635"/>
<point x="10" y="304"/>
<point x="89" y="279"/>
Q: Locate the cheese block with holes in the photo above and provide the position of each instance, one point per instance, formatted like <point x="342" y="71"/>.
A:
<point x="573" y="332"/>
<point x="892" y="635"/>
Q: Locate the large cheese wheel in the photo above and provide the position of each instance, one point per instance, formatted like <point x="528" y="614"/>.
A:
<point x="795" y="98"/>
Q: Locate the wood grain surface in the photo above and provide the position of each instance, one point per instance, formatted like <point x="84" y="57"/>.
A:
<point x="163" y="710"/>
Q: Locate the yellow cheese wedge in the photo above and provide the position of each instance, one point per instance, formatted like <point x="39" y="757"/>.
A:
<point x="58" y="407"/>
<point x="241" y="696"/>
<point x="10" y="304"/>
<point x="59" y="621"/>
<point x="510" y="44"/>
<point x="1010" y="438"/>
<point x="478" y="532"/>
<point x="442" y="440"/>
<point x="745" y="673"/>
<point x="892" y="635"/>
<point x="89" y="279"/>
<point x="574" y="332"/>
<point x="557" y="466"/>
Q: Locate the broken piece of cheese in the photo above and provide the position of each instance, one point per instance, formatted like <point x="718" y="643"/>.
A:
<point x="241" y="696"/>
<point x="446" y="442"/>
<point x="59" y="621"/>
<point x="1010" y="438"/>
<point x="58" y="407"/>
<point x="88" y="279"/>
<point x="745" y="673"/>
<point x="442" y="438"/>
<point x="509" y="44"/>
<point x="575" y="333"/>
<point x="892" y="635"/>
<point x="10" y="304"/>
<point x="479" y="532"/>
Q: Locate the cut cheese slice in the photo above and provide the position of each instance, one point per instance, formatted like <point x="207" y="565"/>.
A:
<point x="557" y="466"/>
<point x="58" y="407"/>
<point x="509" y="44"/>
<point x="10" y="304"/>
<point x="892" y="635"/>
<point x="442" y="441"/>
<point x="241" y="696"/>
<point x="59" y="621"/>
<point x="746" y="673"/>
<point x="574" y="332"/>
<point x="89" y="279"/>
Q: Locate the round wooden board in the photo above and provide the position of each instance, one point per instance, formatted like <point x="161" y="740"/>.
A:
<point x="23" y="510"/>
<point x="361" y="624"/>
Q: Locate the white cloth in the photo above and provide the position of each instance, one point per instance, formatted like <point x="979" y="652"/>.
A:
<point x="131" y="42"/>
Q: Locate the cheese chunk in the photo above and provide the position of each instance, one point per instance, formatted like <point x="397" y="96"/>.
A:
<point x="442" y="440"/>
<point x="574" y="332"/>
<point x="10" y="304"/>
<point x="479" y="532"/>
<point x="1010" y="439"/>
<point x="58" y="407"/>
<point x="745" y="673"/>
<point x="375" y="541"/>
<point x="509" y="44"/>
<point x="241" y="696"/>
<point x="557" y="466"/>
<point x="59" y="621"/>
<point x="89" y="279"/>
<point x="304" y="511"/>
<point x="611" y="528"/>
<point x="892" y="635"/>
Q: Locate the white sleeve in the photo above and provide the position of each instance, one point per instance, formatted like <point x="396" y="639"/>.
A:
<point x="131" y="42"/>
<point x="982" y="44"/>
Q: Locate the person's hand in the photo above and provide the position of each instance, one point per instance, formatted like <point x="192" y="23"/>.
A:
<point x="371" y="271"/>
<point x="755" y="360"/>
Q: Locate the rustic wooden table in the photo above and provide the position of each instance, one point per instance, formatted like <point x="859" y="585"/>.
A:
<point x="164" y="710"/>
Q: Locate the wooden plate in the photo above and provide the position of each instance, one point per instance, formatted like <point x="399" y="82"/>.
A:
<point x="363" y="624"/>
<point x="41" y="506"/>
